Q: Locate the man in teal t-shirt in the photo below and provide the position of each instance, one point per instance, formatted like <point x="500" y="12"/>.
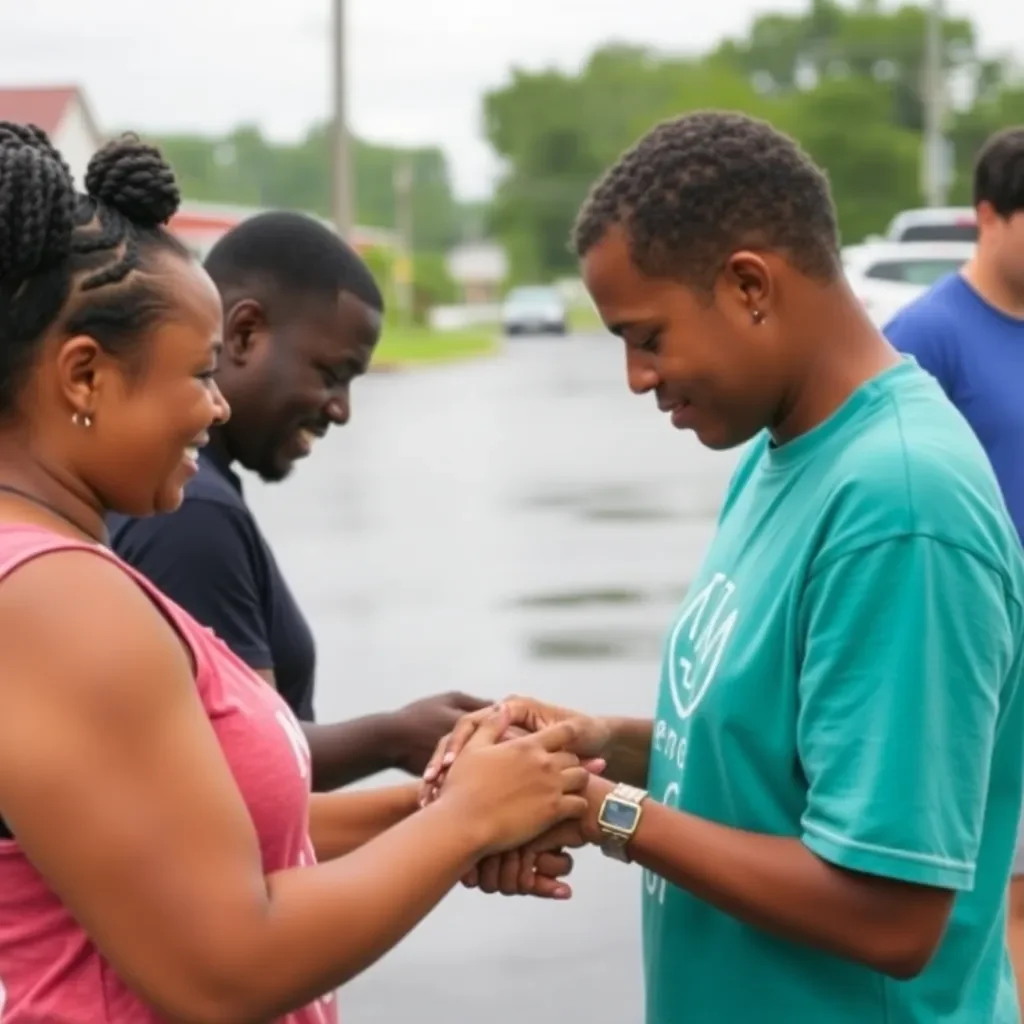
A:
<point x="801" y="695"/>
<point x="836" y="762"/>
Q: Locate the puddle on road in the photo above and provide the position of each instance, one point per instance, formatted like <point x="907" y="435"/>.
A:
<point x="583" y="598"/>
<point x="602" y="597"/>
<point x="594" y="645"/>
<point x="623" y="504"/>
<point x="633" y="514"/>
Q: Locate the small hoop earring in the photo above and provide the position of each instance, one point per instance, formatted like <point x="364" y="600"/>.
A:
<point x="757" y="316"/>
<point x="81" y="419"/>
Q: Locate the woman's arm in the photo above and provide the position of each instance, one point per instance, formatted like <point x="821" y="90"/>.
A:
<point x="342" y="822"/>
<point x="114" y="784"/>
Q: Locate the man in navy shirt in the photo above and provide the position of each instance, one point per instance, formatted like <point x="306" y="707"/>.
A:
<point x="968" y="332"/>
<point x="302" y="315"/>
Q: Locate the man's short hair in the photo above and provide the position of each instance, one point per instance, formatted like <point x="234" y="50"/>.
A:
<point x="697" y="188"/>
<point x="999" y="172"/>
<point x="291" y="256"/>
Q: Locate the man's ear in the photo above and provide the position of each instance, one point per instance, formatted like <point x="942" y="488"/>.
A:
<point x="245" y="331"/>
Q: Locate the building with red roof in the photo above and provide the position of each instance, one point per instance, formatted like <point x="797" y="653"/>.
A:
<point x="63" y="113"/>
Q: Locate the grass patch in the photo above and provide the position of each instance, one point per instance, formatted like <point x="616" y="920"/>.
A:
<point x="418" y="346"/>
<point x="585" y="320"/>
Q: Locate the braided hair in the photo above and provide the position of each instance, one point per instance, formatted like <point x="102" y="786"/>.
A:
<point x="67" y="259"/>
<point x="697" y="188"/>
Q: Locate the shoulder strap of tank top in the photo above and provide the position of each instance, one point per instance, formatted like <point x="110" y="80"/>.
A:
<point x="21" y="543"/>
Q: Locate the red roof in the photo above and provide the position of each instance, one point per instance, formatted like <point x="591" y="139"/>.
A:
<point x="42" y="107"/>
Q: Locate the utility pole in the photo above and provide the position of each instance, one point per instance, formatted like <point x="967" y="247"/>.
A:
<point x="403" y="184"/>
<point x="935" y="161"/>
<point x="342" y="190"/>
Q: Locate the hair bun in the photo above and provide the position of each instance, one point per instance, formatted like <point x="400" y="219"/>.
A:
<point x="133" y="178"/>
<point x="37" y="201"/>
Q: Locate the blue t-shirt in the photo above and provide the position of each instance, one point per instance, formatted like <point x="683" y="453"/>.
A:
<point x="846" y="671"/>
<point x="212" y="559"/>
<point x="976" y="353"/>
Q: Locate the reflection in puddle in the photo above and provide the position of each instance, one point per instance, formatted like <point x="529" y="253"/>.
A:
<point x="630" y="515"/>
<point x="595" y="645"/>
<point x="590" y="597"/>
<point x="625" y="504"/>
<point x="583" y="598"/>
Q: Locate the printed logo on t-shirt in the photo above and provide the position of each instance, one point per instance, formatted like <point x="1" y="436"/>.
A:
<point x="693" y="655"/>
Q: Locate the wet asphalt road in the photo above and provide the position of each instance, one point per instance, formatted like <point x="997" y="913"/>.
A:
<point x="517" y="524"/>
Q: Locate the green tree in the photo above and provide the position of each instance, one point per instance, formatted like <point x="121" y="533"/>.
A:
<point x="246" y="169"/>
<point x="789" y="52"/>
<point x="556" y="132"/>
<point x="535" y="125"/>
<point x="846" y="80"/>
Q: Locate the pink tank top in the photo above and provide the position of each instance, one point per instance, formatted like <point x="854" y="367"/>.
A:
<point x="50" y="972"/>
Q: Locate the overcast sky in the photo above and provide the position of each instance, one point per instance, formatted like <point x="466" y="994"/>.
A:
<point x="417" y="67"/>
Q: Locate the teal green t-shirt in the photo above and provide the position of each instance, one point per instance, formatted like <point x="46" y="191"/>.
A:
<point x="845" y="670"/>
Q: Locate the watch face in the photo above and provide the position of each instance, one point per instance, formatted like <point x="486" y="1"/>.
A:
<point x="619" y="815"/>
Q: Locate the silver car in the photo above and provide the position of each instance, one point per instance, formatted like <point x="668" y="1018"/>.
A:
<point x="534" y="309"/>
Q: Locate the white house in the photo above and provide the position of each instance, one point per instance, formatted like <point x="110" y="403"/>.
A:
<point x="63" y="113"/>
<point x="479" y="269"/>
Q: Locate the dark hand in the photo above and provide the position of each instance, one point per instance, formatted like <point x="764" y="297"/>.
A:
<point x="528" y="716"/>
<point x="419" y="727"/>
<point x="536" y="869"/>
<point x="515" y="790"/>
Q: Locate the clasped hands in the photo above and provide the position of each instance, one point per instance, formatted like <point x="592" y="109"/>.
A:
<point x="539" y="867"/>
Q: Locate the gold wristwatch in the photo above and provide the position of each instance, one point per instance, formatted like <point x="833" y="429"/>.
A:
<point x="618" y="819"/>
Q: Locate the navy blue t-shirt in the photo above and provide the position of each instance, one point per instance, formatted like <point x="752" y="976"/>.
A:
<point x="211" y="558"/>
<point x="976" y="353"/>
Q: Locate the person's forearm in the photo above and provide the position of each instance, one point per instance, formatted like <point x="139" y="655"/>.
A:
<point x="629" y="750"/>
<point x="346" y="752"/>
<point x="342" y="822"/>
<point x="324" y="925"/>
<point x="776" y="884"/>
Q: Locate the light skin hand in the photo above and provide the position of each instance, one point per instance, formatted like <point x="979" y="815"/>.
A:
<point x="526" y="716"/>
<point x="539" y="870"/>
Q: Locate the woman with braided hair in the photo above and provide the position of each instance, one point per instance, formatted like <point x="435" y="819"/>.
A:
<point x="161" y="856"/>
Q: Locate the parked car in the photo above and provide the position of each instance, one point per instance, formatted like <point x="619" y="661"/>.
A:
<point x="934" y="224"/>
<point x="886" y="276"/>
<point x="534" y="309"/>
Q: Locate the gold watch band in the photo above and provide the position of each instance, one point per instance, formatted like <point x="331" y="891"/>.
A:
<point x="616" y="833"/>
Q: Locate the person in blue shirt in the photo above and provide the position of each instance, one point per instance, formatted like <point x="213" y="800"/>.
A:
<point x="834" y="760"/>
<point x="968" y="332"/>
